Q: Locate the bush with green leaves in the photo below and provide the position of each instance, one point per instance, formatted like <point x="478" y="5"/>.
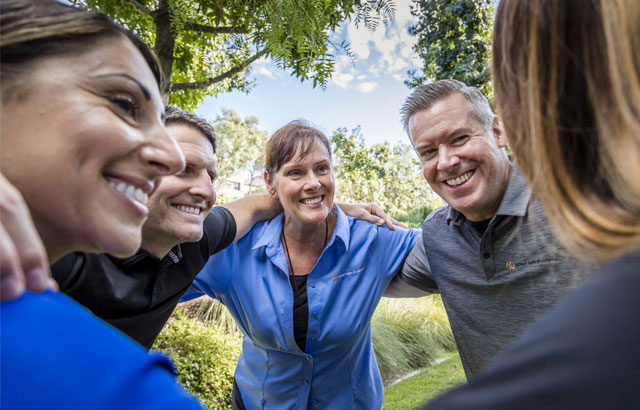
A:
<point x="409" y="334"/>
<point x="205" y="357"/>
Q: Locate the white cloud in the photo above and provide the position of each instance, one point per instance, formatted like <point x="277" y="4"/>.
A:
<point x="367" y="87"/>
<point x="265" y="72"/>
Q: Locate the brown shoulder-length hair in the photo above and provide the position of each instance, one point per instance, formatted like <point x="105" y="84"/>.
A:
<point x="34" y="29"/>
<point x="567" y="83"/>
<point x="294" y="140"/>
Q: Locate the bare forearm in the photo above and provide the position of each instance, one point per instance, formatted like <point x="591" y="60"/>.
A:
<point x="252" y="209"/>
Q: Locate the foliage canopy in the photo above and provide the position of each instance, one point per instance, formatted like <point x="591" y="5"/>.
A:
<point x="454" y="38"/>
<point x="207" y="46"/>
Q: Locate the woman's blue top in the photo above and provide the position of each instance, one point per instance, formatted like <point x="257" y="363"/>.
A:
<point x="56" y="355"/>
<point x="338" y="369"/>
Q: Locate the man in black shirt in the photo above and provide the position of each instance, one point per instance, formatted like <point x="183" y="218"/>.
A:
<point x="138" y="294"/>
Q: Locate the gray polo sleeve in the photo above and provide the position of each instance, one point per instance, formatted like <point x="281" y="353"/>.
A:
<point x="414" y="278"/>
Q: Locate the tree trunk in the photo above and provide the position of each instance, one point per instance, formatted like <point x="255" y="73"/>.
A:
<point x="165" y="44"/>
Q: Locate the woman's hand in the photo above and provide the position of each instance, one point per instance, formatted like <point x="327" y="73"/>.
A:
<point x="23" y="258"/>
<point x="370" y="213"/>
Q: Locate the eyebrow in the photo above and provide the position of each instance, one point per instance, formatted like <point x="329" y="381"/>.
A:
<point x="145" y="90"/>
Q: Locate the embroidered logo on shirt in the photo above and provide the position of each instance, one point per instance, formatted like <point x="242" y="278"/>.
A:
<point x="511" y="265"/>
<point x="348" y="273"/>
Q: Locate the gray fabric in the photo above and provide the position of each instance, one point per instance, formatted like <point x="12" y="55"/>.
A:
<point x="492" y="285"/>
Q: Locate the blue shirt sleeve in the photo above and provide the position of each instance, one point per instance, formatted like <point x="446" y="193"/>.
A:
<point x="57" y="355"/>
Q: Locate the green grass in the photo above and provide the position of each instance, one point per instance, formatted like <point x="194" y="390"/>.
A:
<point x="426" y="385"/>
<point x="409" y="334"/>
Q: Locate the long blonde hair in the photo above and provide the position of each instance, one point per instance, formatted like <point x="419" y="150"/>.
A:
<point x="567" y="83"/>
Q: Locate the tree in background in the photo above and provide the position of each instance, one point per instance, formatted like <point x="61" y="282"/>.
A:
<point x="387" y="175"/>
<point x="454" y="38"/>
<point x="240" y="146"/>
<point x="207" y="46"/>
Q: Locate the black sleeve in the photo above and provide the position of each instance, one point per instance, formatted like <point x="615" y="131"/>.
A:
<point x="68" y="269"/>
<point x="219" y="230"/>
<point x="583" y="354"/>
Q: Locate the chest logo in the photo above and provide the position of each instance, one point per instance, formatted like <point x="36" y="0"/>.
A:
<point x="511" y="265"/>
<point x="335" y="277"/>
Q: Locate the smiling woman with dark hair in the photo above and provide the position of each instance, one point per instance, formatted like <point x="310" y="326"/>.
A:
<point x="83" y="142"/>
<point x="303" y="287"/>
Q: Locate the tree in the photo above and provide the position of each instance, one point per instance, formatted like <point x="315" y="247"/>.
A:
<point x="207" y="46"/>
<point x="387" y="175"/>
<point x="240" y="146"/>
<point x="454" y="38"/>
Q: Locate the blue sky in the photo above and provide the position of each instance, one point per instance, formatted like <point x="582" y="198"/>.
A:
<point x="367" y="92"/>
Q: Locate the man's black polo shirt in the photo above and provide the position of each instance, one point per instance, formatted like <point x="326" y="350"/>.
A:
<point x="138" y="294"/>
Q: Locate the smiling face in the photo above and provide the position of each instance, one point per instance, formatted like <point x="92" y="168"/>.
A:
<point x="305" y="186"/>
<point x="83" y="140"/>
<point x="180" y="204"/>
<point x="462" y="161"/>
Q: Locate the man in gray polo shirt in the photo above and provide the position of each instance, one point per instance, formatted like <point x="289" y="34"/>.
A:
<point x="490" y="252"/>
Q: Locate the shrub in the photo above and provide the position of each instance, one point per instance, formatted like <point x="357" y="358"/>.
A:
<point x="205" y="358"/>
<point x="409" y="334"/>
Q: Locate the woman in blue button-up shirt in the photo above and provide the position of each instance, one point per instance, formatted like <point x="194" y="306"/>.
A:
<point x="303" y="287"/>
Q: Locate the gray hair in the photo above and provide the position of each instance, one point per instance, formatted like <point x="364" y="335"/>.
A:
<point x="424" y="96"/>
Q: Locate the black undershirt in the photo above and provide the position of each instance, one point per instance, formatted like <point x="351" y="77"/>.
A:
<point x="480" y="226"/>
<point x="300" y="309"/>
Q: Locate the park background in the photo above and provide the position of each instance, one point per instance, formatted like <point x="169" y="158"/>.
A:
<point x="346" y="66"/>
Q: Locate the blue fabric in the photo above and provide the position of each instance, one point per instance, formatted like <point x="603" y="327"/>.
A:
<point x="338" y="369"/>
<point x="56" y="355"/>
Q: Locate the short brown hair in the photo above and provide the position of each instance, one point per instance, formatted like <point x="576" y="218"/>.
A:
<point x="33" y="29"/>
<point x="177" y="116"/>
<point x="294" y="140"/>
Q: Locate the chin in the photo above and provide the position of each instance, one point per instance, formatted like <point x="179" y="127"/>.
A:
<point x="121" y="246"/>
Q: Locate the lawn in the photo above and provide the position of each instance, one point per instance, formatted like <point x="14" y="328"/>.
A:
<point x="421" y="388"/>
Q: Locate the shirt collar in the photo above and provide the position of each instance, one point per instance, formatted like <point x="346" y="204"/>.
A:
<point x="271" y="235"/>
<point x="515" y="201"/>
<point x="174" y="256"/>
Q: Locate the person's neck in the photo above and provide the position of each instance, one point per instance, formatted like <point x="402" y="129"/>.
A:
<point x="305" y="235"/>
<point x="159" y="249"/>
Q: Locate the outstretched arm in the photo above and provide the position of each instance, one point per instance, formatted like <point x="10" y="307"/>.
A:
<point x="23" y="258"/>
<point x="370" y="213"/>
<point x="250" y="210"/>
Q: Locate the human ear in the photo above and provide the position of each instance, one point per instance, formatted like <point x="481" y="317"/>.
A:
<point x="269" y="183"/>
<point x="498" y="132"/>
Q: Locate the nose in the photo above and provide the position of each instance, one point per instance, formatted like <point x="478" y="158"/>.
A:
<point x="447" y="159"/>
<point x="312" y="183"/>
<point x="203" y="187"/>
<point x="161" y="154"/>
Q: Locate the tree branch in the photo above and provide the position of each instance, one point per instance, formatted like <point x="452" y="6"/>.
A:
<point x="215" y="30"/>
<point x="202" y="84"/>
<point x="140" y="7"/>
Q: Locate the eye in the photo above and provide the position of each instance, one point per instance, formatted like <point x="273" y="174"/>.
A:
<point x="186" y="171"/>
<point x="323" y="169"/>
<point x="127" y="104"/>
<point x="294" y="173"/>
<point x="428" y="154"/>
<point x="460" y="140"/>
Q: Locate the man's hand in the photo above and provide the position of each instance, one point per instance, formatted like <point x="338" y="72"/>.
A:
<point x="23" y="258"/>
<point x="370" y="213"/>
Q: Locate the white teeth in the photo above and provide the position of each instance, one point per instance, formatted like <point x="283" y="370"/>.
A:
<point x="460" y="179"/>
<point x="132" y="192"/>
<point x="188" y="209"/>
<point x="312" y="201"/>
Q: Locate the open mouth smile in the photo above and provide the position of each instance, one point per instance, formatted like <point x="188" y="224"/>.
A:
<point x="312" y="201"/>
<point x="132" y="192"/>
<point x="193" y="210"/>
<point x="459" y="180"/>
